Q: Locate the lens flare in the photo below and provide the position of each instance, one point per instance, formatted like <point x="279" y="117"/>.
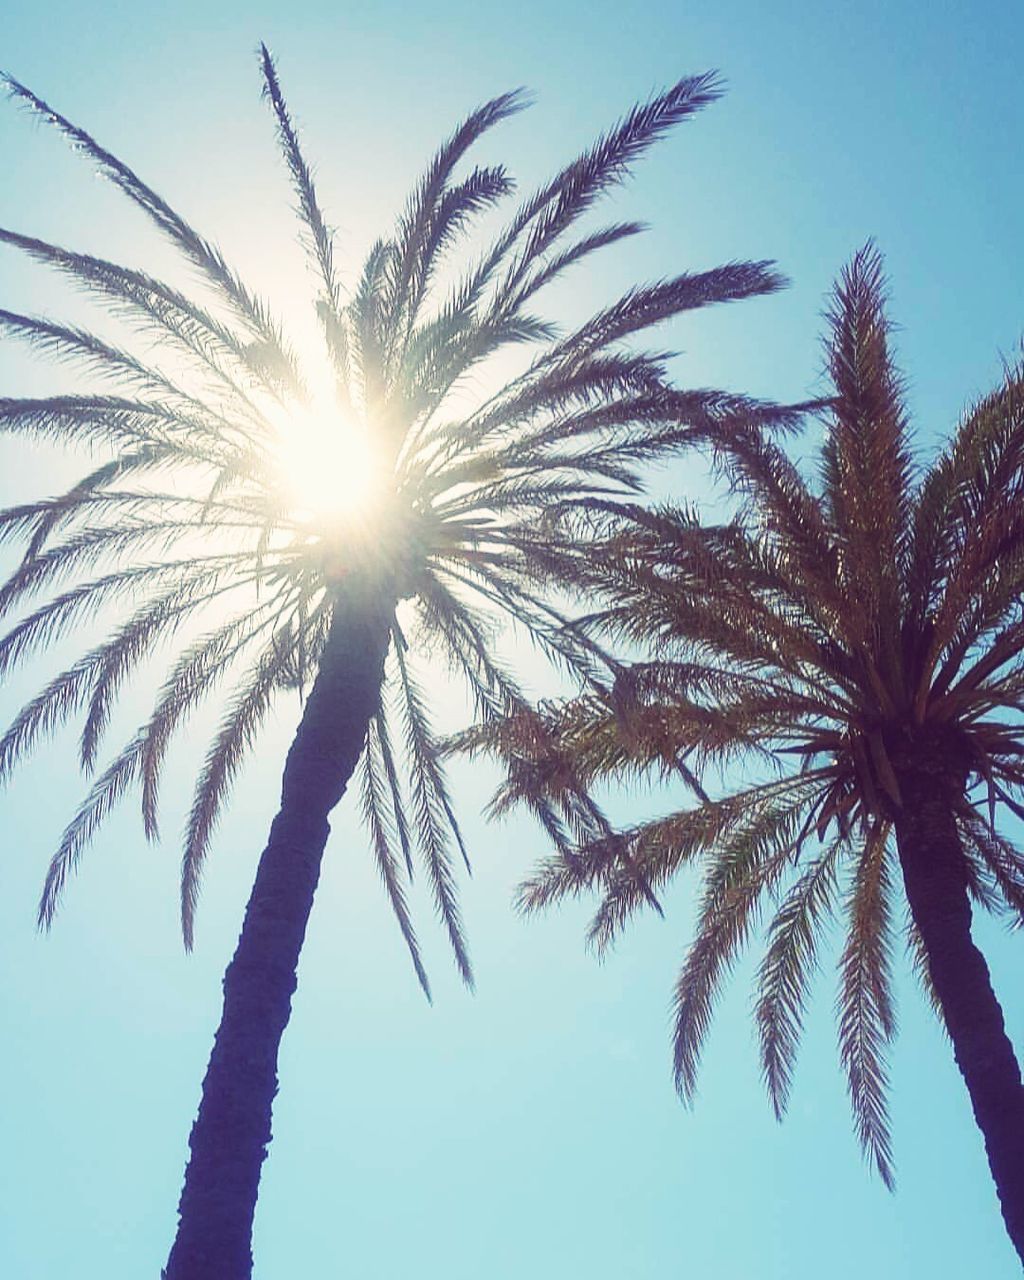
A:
<point x="330" y="471"/>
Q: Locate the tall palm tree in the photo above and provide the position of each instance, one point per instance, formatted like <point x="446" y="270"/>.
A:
<point x="860" y="639"/>
<point x="188" y="530"/>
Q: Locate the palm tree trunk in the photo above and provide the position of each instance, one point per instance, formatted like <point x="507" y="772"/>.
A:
<point x="230" y="1136"/>
<point x="935" y="877"/>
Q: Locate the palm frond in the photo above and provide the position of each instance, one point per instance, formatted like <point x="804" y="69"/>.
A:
<point x="318" y="238"/>
<point x="424" y="226"/>
<point x="238" y="729"/>
<point x="382" y="813"/>
<point x="748" y="863"/>
<point x="180" y="322"/>
<point x="197" y="250"/>
<point x="191" y="679"/>
<point x="108" y="789"/>
<point x="867" y="1022"/>
<point x="435" y="818"/>
<point x="865" y="460"/>
<point x="547" y="215"/>
<point x="786" y="969"/>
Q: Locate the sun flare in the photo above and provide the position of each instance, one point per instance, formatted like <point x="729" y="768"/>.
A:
<point x="329" y="468"/>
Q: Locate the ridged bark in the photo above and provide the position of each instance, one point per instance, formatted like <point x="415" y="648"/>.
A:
<point x="935" y="877"/>
<point x="233" y="1128"/>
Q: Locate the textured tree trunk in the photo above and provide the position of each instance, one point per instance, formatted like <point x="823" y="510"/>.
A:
<point x="936" y="884"/>
<point x="230" y="1136"/>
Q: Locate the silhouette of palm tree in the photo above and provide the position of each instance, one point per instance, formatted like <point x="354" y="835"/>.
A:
<point x="862" y="640"/>
<point x="189" y="517"/>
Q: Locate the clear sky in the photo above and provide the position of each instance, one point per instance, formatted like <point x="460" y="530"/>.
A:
<point x="531" y="1130"/>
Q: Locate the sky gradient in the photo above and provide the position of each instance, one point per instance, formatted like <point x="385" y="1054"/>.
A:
<point x="531" y="1130"/>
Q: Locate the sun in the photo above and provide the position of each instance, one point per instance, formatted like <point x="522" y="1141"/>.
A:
<point x="328" y="467"/>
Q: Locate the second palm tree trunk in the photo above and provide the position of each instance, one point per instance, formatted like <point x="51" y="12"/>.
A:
<point x="935" y="876"/>
<point x="230" y="1135"/>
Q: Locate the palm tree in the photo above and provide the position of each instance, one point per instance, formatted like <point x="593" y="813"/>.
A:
<point x="859" y="638"/>
<point x="187" y="531"/>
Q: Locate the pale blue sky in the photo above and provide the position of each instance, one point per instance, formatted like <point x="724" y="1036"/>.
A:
<point x="531" y="1130"/>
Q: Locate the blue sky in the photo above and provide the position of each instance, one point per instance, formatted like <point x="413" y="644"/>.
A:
<point x="531" y="1129"/>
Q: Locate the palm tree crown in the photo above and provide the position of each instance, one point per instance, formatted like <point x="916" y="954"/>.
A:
<point x="189" y="509"/>
<point x="861" y="637"/>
